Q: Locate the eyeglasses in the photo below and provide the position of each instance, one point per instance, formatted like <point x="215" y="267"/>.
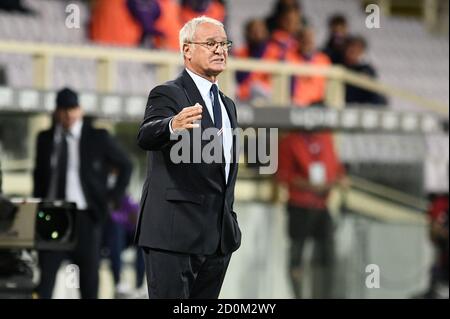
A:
<point x="212" y="45"/>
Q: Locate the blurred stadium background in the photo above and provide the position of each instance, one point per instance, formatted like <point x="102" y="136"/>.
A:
<point x="396" y="155"/>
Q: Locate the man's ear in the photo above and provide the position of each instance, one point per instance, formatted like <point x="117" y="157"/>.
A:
<point x="187" y="52"/>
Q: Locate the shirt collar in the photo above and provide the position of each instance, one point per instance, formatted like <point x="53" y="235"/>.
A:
<point x="74" y="131"/>
<point x="203" y="85"/>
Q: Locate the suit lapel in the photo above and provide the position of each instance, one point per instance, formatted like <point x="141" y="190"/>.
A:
<point x="50" y="145"/>
<point x="193" y="95"/>
<point x="83" y="147"/>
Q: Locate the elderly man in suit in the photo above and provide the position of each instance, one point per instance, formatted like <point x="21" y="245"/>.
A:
<point x="73" y="161"/>
<point x="187" y="225"/>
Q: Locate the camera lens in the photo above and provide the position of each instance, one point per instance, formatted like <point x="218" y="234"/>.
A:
<point x="52" y="225"/>
<point x="55" y="226"/>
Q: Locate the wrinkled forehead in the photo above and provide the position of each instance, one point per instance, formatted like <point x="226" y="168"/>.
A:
<point x="208" y="31"/>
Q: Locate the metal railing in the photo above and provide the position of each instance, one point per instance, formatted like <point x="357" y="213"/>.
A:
<point x="168" y="62"/>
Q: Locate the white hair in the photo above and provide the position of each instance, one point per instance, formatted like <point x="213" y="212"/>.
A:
<point x="187" y="32"/>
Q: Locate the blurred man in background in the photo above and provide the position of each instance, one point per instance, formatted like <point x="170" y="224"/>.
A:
<point x="337" y="35"/>
<point x="310" y="168"/>
<point x="254" y="85"/>
<point x="72" y="163"/>
<point x="309" y="90"/>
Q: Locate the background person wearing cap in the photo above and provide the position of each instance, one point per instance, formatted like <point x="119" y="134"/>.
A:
<point x="73" y="160"/>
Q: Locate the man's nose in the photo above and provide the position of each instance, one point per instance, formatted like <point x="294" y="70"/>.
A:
<point x="219" y="48"/>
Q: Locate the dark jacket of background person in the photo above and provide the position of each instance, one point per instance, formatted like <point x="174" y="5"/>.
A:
<point x="98" y="152"/>
<point x="354" y="94"/>
<point x="354" y="51"/>
<point x="185" y="207"/>
<point x="338" y="34"/>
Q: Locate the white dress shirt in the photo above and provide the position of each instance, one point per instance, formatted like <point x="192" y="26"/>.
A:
<point x="74" y="191"/>
<point x="204" y="86"/>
